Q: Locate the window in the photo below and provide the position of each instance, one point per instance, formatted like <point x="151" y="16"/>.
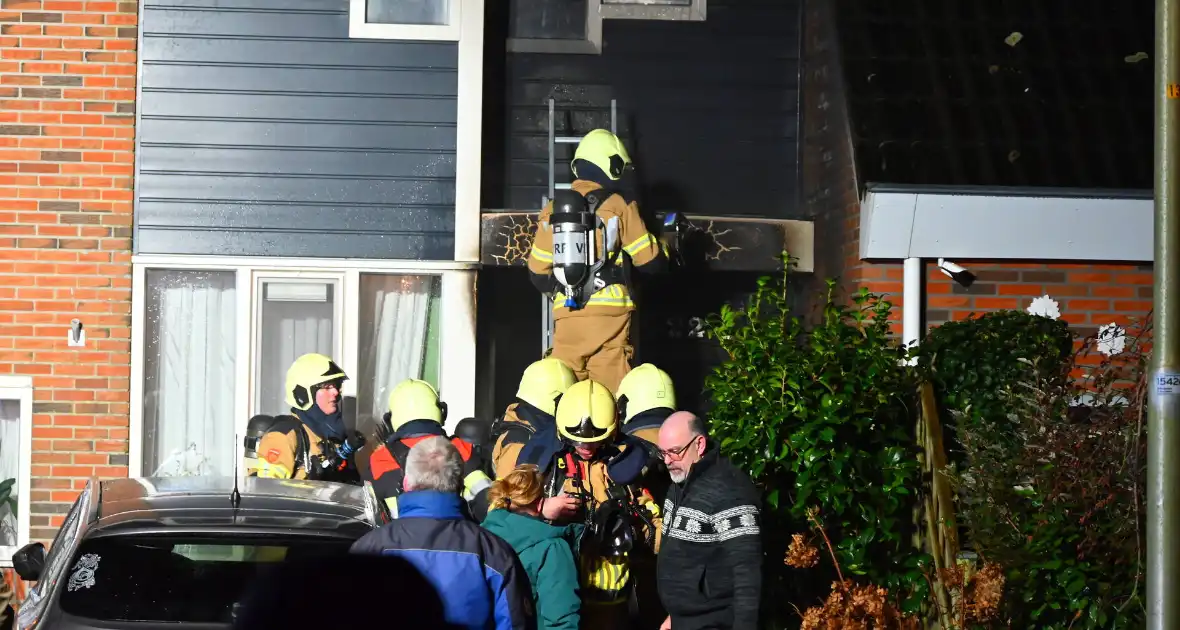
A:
<point x="555" y="26"/>
<point x="60" y="550"/>
<point x="172" y="579"/>
<point x="405" y="19"/>
<point x="679" y="10"/>
<point x="16" y="446"/>
<point x="215" y="336"/>
<point x="189" y="372"/>
<point x="399" y="338"/>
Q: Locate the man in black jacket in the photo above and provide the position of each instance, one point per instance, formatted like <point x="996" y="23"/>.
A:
<point x="710" y="563"/>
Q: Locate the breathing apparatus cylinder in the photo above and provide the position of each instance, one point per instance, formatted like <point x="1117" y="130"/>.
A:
<point x="256" y="427"/>
<point x="573" y="242"/>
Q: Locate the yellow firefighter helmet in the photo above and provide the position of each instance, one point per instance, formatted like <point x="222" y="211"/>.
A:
<point x="544" y="382"/>
<point x="604" y="150"/>
<point x="414" y="399"/>
<point x="645" y="388"/>
<point x="586" y="413"/>
<point x="306" y="374"/>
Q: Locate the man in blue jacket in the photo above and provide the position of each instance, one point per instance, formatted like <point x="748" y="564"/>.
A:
<point x="477" y="574"/>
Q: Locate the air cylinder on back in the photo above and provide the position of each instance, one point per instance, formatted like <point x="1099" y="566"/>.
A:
<point x="573" y="241"/>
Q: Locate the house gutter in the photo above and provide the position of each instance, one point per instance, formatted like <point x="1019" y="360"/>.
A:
<point x="912" y="304"/>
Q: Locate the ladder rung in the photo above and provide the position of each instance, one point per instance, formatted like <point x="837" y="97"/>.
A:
<point x="568" y="139"/>
<point x="562" y="186"/>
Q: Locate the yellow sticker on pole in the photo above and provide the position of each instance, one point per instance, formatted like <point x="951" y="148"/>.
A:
<point x="1174" y="90"/>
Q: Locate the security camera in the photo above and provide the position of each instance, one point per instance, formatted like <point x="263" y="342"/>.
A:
<point x="956" y="272"/>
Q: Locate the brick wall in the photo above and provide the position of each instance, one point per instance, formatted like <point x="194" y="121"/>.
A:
<point x="1088" y="295"/>
<point x="828" y="187"/>
<point x="67" y="104"/>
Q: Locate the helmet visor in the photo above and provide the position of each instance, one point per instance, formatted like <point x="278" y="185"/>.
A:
<point x="586" y="432"/>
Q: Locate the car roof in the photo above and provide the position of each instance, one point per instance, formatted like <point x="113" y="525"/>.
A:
<point x="205" y="504"/>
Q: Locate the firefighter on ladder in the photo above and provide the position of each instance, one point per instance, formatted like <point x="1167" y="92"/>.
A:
<point x="588" y="239"/>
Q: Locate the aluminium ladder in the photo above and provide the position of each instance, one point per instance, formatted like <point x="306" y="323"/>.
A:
<point x="554" y="140"/>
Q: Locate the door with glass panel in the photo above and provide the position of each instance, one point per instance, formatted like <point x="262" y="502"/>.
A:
<point x="293" y="315"/>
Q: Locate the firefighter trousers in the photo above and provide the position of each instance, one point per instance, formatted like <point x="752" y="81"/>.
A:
<point x="595" y="346"/>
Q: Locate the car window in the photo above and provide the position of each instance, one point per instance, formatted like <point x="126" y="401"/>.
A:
<point x="176" y="579"/>
<point x="62" y="545"/>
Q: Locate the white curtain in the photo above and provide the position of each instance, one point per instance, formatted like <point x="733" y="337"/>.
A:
<point x="10" y="466"/>
<point x="189" y="418"/>
<point x="394" y="347"/>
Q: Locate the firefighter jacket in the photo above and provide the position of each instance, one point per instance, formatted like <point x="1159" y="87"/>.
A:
<point x="285" y="454"/>
<point x="476" y="573"/>
<point x="644" y="429"/>
<point x="523" y="425"/>
<point x="386" y="466"/>
<point x="618" y="466"/>
<point x="633" y="239"/>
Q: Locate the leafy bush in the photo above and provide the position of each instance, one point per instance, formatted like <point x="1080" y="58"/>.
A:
<point x="821" y="418"/>
<point x="970" y="362"/>
<point x="1049" y="489"/>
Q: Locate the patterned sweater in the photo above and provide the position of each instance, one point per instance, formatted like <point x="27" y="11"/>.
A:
<point x="710" y="562"/>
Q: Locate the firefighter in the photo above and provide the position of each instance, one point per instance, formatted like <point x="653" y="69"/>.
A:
<point x="646" y="396"/>
<point x="311" y="443"/>
<point x="592" y="307"/>
<point x="416" y="413"/>
<point x="600" y="469"/>
<point x="529" y="420"/>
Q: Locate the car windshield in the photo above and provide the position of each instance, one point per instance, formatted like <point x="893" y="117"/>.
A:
<point x="171" y="579"/>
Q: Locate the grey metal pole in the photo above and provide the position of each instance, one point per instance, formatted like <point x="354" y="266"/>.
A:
<point x="1163" y="416"/>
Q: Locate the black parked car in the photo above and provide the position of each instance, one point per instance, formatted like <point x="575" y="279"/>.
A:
<point x="181" y="551"/>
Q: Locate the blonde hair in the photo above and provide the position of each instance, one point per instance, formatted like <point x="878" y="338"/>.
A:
<point x="518" y="489"/>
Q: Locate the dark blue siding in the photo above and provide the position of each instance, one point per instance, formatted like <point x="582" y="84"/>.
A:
<point x="263" y="127"/>
<point x="708" y="109"/>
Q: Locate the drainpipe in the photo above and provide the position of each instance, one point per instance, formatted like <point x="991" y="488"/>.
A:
<point x="911" y="303"/>
<point x="1163" y="413"/>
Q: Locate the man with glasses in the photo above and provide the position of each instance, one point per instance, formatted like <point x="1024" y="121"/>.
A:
<point x="710" y="560"/>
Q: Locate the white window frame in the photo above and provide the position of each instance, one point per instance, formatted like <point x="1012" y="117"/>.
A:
<point x="358" y="27"/>
<point x="456" y="335"/>
<point x="590" y="45"/>
<point x="20" y="389"/>
<point x="641" y="10"/>
<point x="596" y="12"/>
<point x="467" y="29"/>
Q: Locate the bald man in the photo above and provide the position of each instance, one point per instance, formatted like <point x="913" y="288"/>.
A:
<point x="710" y="564"/>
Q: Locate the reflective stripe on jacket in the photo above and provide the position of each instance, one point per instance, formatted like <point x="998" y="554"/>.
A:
<point x="634" y="239"/>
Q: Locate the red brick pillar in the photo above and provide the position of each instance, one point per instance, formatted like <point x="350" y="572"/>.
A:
<point x="67" y="126"/>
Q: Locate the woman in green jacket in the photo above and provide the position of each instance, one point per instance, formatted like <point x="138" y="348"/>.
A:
<point x="514" y="506"/>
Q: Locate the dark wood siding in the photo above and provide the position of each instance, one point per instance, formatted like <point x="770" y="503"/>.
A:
<point x="263" y="126"/>
<point x="707" y="109"/>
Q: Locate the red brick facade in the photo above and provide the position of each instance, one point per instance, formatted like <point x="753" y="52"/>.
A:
<point x="67" y="126"/>
<point x="1088" y="296"/>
